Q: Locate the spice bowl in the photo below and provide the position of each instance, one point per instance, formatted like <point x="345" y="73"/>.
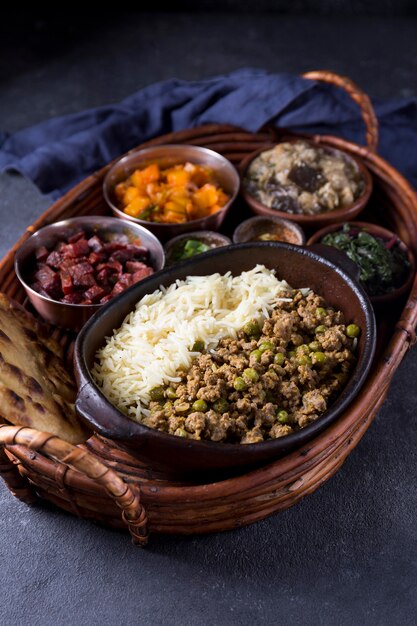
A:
<point x="272" y="228"/>
<point x="390" y="239"/>
<point x="166" y="156"/>
<point x="306" y="220"/>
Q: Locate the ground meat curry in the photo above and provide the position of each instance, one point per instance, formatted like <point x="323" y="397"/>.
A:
<point x="272" y="380"/>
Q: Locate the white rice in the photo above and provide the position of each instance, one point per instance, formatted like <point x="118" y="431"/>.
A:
<point x="156" y="339"/>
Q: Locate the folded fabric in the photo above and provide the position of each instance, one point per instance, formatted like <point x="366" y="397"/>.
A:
<point x="58" y="153"/>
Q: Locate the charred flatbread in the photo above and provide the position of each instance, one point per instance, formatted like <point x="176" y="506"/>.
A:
<point x="36" y="390"/>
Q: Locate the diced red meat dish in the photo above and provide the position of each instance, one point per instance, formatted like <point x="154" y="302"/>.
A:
<point x="88" y="270"/>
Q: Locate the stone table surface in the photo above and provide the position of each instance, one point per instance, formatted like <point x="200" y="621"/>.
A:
<point x="347" y="554"/>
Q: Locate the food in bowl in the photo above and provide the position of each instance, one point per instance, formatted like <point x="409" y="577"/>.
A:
<point x="108" y="230"/>
<point x="383" y="262"/>
<point x="299" y="178"/>
<point x="190" y="248"/>
<point x="240" y="359"/>
<point x="271" y="228"/>
<point x="167" y="157"/>
<point x="189" y="245"/>
<point x="174" y="195"/>
<point x="80" y="269"/>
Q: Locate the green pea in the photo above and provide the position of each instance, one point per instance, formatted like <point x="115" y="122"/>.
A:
<point x="353" y="331"/>
<point x="314" y="346"/>
<point x="168" y="406"/>
<point x="320" y="329"/>
<point x="171" y="393"/>
<point x="200" y="405"/>
<point x="283" y="417"/>
<point x="291" y="354"/>
<point x="180" y="432"/>
<point x="303" y="349"/>
<point x="304" y="360"/>
<point x="321" y="312"/>
<point x="256" y="354"/>
<point x="251" y="374"/>
<point x="319" y="357"/>
<point x="221" y="406"/>
<point x="266" y="345"/>
<point x="157" y="394"/>
<point x="251" y="328"/>
<point x="239" y="384"/>
<point x="279" y="358"/>
<point x="198" y="346"/>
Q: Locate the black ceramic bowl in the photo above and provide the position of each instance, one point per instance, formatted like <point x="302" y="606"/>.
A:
<point x="301" y="267"/>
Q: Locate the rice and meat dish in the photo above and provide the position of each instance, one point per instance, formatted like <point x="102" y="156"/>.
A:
<point x="229" y="359"/>
<point x="297" y="177"/>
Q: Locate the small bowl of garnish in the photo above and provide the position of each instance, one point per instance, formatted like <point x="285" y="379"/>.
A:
<point x="272" y="228"/>
<point x="386" y="264"/>
<point x="69" y="269"/>
<point x="172" y="189"/>
<point x="307" y="183"/>
<point x="184" y="247"/>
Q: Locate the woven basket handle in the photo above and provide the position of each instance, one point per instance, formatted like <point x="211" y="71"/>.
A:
<point x="364" y="102"/>
<point x="126" y="496"/>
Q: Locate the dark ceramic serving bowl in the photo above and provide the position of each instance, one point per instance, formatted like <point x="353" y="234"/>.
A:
<point x="301" y="267"/>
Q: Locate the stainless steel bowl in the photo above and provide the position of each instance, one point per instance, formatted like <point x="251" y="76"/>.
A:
<point x="74" y="316"/>
<point x="167" y="156"/>
<point x="209" y="237"/>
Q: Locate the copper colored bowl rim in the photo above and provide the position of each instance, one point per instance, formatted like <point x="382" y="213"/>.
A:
<point x="100" y="414"/>
<point x="336" y="215"/>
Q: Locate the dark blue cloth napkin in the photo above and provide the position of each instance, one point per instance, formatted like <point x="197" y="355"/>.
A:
<point x="60" y="152"/>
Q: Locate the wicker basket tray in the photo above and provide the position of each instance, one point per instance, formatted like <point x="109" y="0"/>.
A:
<point x="99" y="481"/>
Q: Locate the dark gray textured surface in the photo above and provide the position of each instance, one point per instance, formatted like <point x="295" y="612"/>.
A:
<point x="348" y="553"/>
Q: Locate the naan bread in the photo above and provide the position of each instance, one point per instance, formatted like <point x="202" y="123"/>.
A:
<point x="35" y="388"/>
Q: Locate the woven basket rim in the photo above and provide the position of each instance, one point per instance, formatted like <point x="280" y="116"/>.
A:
<point x="281" y="476"/>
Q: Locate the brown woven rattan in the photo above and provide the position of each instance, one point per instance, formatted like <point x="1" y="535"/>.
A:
<point x="99" y="481"/>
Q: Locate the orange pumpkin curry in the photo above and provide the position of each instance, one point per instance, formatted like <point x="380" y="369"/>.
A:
<point x="175" y="195"/>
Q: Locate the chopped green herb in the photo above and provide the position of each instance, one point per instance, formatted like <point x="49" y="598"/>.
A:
<point x="382" y="263"/>
<point x="191" y="248"/>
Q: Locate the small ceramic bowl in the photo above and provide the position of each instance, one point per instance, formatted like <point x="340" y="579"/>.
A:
<point x="166" y="156"/>
<point x="301" y="267"/>
<point x="74" y="316"/>
<point x="277" y="228"/>
<point x="321" y="219"/>
<point x="387" y="235"/>
<point x="175" y="246"/>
